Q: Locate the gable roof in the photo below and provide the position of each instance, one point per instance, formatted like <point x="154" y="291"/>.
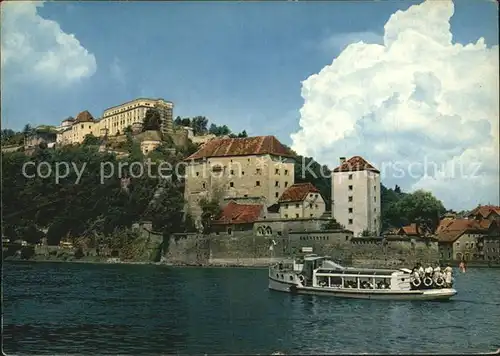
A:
<point x="234" y="213"/>
<point x="452" y="231"/>
<point x="297" y="192"/>
<point x="485" y="210"/>
<point x="410" y="230"/>
<point x="84" y="116"/>
<point x="356" y="163"/>
<point x="226" y="147"/>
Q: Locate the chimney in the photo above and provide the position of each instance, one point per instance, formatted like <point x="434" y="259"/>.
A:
<point x="342" y="160"/>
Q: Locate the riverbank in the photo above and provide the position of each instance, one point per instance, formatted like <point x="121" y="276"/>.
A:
<point x="219" y="263"/>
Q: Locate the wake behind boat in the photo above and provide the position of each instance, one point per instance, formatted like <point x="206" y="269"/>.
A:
<point x="320" y="275"/>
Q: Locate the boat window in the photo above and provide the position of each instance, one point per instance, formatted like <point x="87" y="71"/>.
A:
<point x="291" y="278"/>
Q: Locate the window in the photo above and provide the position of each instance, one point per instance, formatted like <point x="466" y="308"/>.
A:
<point x="257" y="184"/>
<point x="242" y="173"/>
<point x="466" y="245"/>
<point x="286" y="184"/>
<point x="311" y="215"/>
<point x="277" y="171"/>
<point x="350" y="221"/>
<point x="232" y="172"/>
<point x="374" y="198"/>
<point x="374" y="221"/>
<point x="472" y="245"/>
<point x="286" y="172"/>
<point x="245" y="195"/>
<point x="350" y="199"/>
<point x="276" y="184"/>
<point x="375" y="210"/>
<point x="257" y="171"/>
<point x="231" y="184"/>
<point x="276" y="194"/>
<point x="350" y="210"/>
<point x="286" y="206"/>
<point x="297" y="216"/>
<point x="316" y="206"/>
<point x="229" y="231"/>
<point x="297" y="205"/>
<point x="350" y="176"/>
<point x="204" y="185"/>
<point x="457" y="244"/>
<point x="286" y="216"/>
<point x="82" y="126"/>
<point x="350" y="187"/>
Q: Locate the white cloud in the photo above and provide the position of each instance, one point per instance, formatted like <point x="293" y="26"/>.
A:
<point x="339" y="41"/>
<point x="34" y="48"/>
<point x="417" y="97"/>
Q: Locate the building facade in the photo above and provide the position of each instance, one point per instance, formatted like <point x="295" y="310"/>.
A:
<point x="356" y="196"/>
<point x="468" y="239"/>
<point x="301" y="200"/>
<point x="247" y="169"/>
<point x="115" y="120"/>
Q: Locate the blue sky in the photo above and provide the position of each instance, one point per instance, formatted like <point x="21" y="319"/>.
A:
<point x="239" y="64"/>
<point x="272" y="68"/>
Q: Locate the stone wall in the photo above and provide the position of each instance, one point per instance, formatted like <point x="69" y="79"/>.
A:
<point x="180" y="137"/>
<point x="246" y="248"/>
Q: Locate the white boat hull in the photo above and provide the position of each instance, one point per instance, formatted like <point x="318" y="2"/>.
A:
<point x="383" y="294"/>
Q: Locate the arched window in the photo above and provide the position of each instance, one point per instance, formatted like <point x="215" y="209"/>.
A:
<point x="459" y="256"/>
<point x="269" y="231"/>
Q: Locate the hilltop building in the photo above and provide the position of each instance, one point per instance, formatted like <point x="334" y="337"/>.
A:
<point x="115" y="120"/>
<point x="247" y="170"/>
<point x="356" y="195"/>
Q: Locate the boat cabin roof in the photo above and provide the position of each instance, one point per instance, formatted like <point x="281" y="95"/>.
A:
<point x="386" y="274"/>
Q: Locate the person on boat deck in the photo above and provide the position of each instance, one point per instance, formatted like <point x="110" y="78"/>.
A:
<point x="428" y="271"/>
<point x="421" y="271"/>
<point x="447" y="272"/>
<point x="437" y="268"/>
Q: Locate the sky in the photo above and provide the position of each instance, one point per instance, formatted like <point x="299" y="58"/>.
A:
<point x="410" y="86"/>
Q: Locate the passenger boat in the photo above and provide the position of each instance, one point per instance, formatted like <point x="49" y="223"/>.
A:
<point x="319" y="275"/>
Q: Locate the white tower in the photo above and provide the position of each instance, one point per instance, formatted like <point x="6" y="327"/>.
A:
<point x="356" y="195"/>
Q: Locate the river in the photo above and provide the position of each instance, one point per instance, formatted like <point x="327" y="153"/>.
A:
<point x="61" y="308"/>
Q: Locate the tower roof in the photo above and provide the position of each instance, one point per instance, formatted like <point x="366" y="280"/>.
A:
<point x="356" y="163"/>
<point x="84" y="116"/>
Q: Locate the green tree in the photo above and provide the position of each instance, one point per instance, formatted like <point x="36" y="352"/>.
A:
<point x="127" y="130"/>
<point x="210" y="210"/>
<point x="178" y="121"/>
<point x="186" y="122"/>
<point x="199" y="125"/>
<point x="152" y="120"/>
<point x="91" y="140"/>
<point x="422" y="208"/>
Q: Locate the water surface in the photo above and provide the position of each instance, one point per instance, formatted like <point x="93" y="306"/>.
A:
<point x="54" y="308"/>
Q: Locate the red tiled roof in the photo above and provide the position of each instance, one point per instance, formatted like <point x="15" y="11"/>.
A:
<point x="84" y="116"/>
<point x="485" y="210"/>
<point x="225" y="147"/>
<point x="456" y="228"/>
<point x="410" y="230"/>
<point x="443" y="224"/>
<point x="297" y="192"/>
<point x="354" y="164"/>
<point x="234" y="213"/>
